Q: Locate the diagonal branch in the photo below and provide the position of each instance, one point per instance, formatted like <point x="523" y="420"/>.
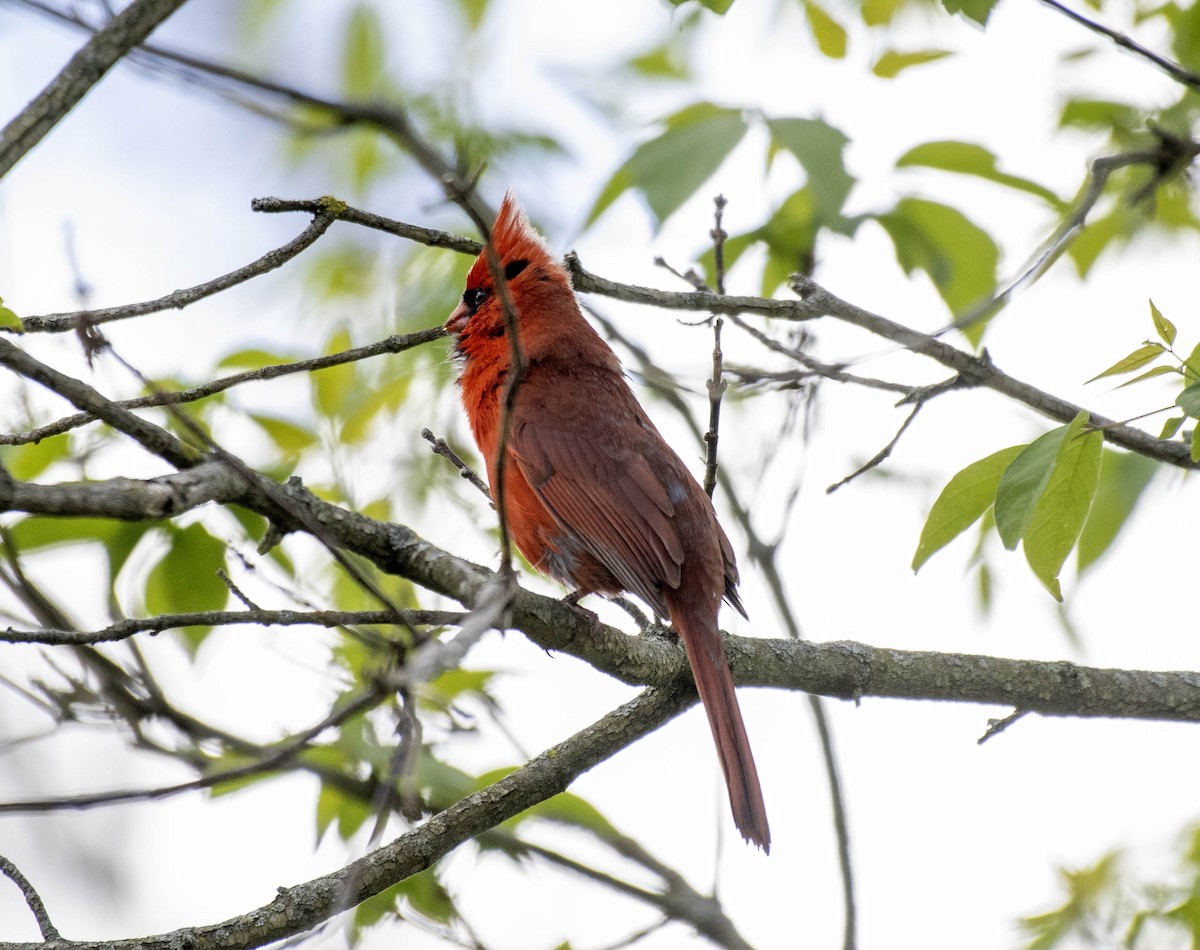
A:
<point x="300" y="908"/>
<point x="1171" y="68"/>
<point x="323" y="217"/>
<point x="86" y="68"/>
<point x="32" y="898"/>
<point x="155" y="439"/>
<point x="397" y="343"/>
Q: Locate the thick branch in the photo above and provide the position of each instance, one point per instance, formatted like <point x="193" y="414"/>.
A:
<point x="846" y="669"/>
<point x="86" y="68"/>
<point x="153" y="438"/>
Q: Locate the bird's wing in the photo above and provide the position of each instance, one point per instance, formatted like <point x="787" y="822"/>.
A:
<point x="610" y="498"/>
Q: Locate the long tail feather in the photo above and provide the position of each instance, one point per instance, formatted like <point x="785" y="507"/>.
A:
<point x="714" y="682"/>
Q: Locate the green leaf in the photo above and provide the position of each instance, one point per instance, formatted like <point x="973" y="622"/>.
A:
<point x="9" y="320"/>
<point x="1191" y="365"/>
<point x="879" y="12"/>
<point x="474" y="11"/>
<point x="1164" y="327"/>
<point x="26" y="462"/>
<point x="1196" y="444"/>
<point x="960" y="257"/>
<point x="252" y="358"/>
<point x="334" y="387"/>
<point x="1063" y="508"/>
<point x="1092" y="241"/>
<point x="977" y="10"/>
<point x="829" y="34"/>
<point x="1171" y="426"/>
<point x="1123" y="478"/>
<point x="345" y="271"/>
<point x="185" y="577"/>
<point x="820" y="150"/>
<point x="1150" y="374"/>
<point x="719" y="7"/>
<point x="892" y="62"/>
<point x="1134" y="361"/>
<point x="362" y="53"/>
<point x="1023" y="482"/>
<point x="1189" y="401"/>
<point x="349" y="811"/>
<point x="670" y="168"/>
<point x="1100" y="115"/>
<point x="964" y="499"/>
<point x="290" y="438"/>
<point x="967" y="158"/>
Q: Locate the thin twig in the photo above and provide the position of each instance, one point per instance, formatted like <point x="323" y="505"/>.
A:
<point x="1171" y="68"/>
<point x="716" y="384"/>
<point x="483" y="220"/>
<point x="440" y="447"/>
<point x="997" y="726"/>
<point x="1072" y="225"/>
<point x="278" y="756"/>
<point x="66" y="322"/>
<point x="879" y="456"/>
<point x="269" y="487"/>
<point x="124" y="629"/>
<point x="396" y="343"/>
<point x="32" y="898"/>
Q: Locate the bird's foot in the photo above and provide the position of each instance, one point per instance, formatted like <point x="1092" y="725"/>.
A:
<point x="648" y="626"/>
<point x="573" y="598"/>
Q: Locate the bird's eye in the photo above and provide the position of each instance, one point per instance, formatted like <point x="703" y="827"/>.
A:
<point x="474" y="298"/>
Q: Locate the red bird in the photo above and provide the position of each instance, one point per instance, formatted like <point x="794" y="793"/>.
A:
<point x="594" y="496"/>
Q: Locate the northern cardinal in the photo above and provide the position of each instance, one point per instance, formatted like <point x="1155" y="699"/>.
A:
<point x="594" y="496"/>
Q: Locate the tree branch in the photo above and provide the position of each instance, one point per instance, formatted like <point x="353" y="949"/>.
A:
<point x="842" y="669"/>
<point x="86" y="68"/>
<point x="154" y="439"/>
<point x="300" y="908"/>
<point x="1171" y="68"/>
<point x="124" y="629"/>
<point x="325" y="213"/>
<point x="32" y="898"/>
<point x="397" y="343"/>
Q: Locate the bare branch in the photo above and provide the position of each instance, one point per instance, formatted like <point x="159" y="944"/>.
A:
<point x="846" y="670"/>
<point x="716" y="384"/>
<point x="153" y="438"/>
<point x="32" y="898"/>
<point x="397" y="343"/>
<point x="86" y="68"/>
<point x="123" y="629"/>
<point x="440" y="447"/>
<point x="1171" y="68"/>
<point x="274" y="758"/>
<point x="879" y="457"/>
<point x="64" y="322"/>
<point x="300" y="908"/>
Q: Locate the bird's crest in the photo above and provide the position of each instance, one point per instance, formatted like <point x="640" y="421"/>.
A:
<point x="517" y="245"/>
